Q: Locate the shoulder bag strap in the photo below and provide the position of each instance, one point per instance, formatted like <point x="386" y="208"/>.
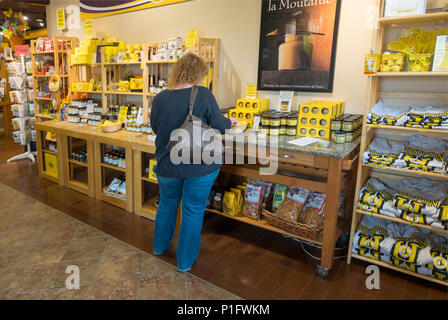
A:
<point x="194" y="93"/>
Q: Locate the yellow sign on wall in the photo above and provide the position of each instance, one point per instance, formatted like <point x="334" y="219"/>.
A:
<point x="192" y="38"/>
<point x="88" y="29"/>
<point x="91" y="11"/>
<point x="251" y="90"/>
<point x="61" y="18"/>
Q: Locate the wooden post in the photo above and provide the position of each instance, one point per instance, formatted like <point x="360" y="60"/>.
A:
<point x="331" y="212"/>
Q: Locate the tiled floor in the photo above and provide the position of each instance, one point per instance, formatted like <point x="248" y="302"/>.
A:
<point x="38" y="243"/>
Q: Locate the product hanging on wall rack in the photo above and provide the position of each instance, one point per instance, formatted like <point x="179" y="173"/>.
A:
<point x="5" y="103"/>
<point x="23" y="111"/>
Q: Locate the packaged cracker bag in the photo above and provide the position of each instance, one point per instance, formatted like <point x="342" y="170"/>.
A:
<point x="293" y="204"/>
<point x="314" y="211"/>
<point x="253" y="201"/>
<point x="280" y="191"/>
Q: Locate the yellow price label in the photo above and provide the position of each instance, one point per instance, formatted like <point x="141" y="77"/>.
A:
<point x="61" y="18"/>
<point x="251" y="90"/>
<point x="88" y="29"/>
<point x="192" y="37"/>
<point x="122" y="114"/>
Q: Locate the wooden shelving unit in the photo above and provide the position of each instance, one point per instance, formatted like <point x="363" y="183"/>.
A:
<point x="5" y="105"/>
<point x="43" y="151"/>
<point x="65" y="77"/>
<point x="370" y="131"/>
<point x="207" y="48"/>
<point x="79" y="176"/>
<point x="101" y="177"/>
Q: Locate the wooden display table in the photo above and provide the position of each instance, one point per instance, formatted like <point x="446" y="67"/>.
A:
<point x="326" y="169"/>
<point x="99" y="174"/>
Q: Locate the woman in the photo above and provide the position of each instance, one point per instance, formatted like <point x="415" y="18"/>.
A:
<point x="189" y="183"/>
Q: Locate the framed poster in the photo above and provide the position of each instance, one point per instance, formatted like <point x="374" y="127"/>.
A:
<point x="298" y="45"/>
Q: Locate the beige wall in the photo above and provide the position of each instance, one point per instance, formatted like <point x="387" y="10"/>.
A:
<point x="237" y="24"/>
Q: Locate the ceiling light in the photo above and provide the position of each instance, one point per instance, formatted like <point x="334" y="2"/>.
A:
<point x="41" y="24"/>
<point x="39" y="20"/>
<point x="25" y="18"/>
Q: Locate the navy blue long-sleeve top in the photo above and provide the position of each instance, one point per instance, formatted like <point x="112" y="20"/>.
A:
<point x="168" y="113"/>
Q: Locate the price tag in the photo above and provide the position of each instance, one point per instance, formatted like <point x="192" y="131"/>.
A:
<point x="251" y="90"/>
<point x="88" y="29"/>
<point x="140" y="119"/>
<point x="122" y="114"/>
<point x="192" y="37"/>
<point x="22" y="50"/>
<point x="285" y="101"/>
<point x="61" y="19"/>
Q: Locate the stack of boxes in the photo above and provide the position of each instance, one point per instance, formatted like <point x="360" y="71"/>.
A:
<point x="170" y="50"/>
<point x="247" y="109"/>
<point x="132" y="53"/>
<point x="316" y="117"/>
<point x="85" y="53"/>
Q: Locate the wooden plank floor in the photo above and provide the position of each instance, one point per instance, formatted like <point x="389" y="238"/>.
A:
<point x="247" y="261"/>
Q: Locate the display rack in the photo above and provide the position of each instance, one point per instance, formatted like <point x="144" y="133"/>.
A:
<point x="396" y="133"/>
<point x="26" y="131"/>
<point x="61" y="63"/>
<point x="151" y="71"/>
<point x="5" y="104"/>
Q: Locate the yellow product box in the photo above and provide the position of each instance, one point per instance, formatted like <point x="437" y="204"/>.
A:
<point x="83" y="50"/>
<point x="257" y="105"/>
<point x="51" y="165"/>
<point x="321" y="110"/>
<point x="420" y="61"/>
<point x="81" y="86"/>
<point x="314" y="132"/>
<point x="136" y="84"/>
<point x="74" y="59"/>
<point x="392" y="62"/>
<point x="152" y="164"/>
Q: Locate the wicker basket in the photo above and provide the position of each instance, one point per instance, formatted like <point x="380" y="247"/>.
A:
<point x="114" y="195"/>
<point x="290" y="226"/>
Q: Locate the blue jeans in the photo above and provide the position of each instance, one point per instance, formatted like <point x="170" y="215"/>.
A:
<point x="194" y="193"/>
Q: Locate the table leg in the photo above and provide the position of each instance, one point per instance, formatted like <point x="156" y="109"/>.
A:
<point x="331" y="214"/>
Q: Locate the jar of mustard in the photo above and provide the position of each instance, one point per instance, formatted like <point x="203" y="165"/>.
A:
<point x="292" y="130"/>
<point x="293" y="120"/>
<point x="284" y="119"/>
<point x="339" y="137"/>
<point x="265" y="119"/>
<point x="283" y="130"/>
<point x="275" y="121"/>
<point x="348" y="125"/>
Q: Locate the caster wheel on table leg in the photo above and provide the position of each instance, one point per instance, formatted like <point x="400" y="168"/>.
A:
<point x="322" y="272"/>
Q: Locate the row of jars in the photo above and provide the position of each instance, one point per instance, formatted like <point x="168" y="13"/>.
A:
<point x="115" y="158"/>
<point x="340" y="137"/>
<point x="133" y="127"/>
<point x="276" y="123"/>
<point x="80" y="156"/>
<point x="281" y="131"/>
<point x="347" y="123"/>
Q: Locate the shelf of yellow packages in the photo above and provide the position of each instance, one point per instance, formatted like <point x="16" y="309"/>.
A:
<point x="123" y="56"/>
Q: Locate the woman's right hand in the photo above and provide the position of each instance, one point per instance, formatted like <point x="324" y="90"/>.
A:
<point x="234" y="122"/>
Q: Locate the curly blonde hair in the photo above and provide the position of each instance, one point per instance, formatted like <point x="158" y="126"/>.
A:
<point x="188" y="69"/>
